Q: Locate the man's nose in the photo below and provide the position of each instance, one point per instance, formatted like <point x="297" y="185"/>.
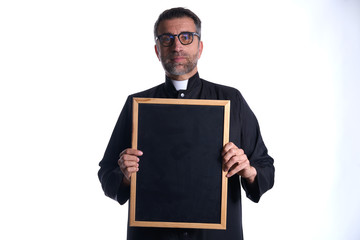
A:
<point x="177" y="44"/>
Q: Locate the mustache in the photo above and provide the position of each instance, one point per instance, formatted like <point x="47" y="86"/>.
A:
<point x="178" y="54"/>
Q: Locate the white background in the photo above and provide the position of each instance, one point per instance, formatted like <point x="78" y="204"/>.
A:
<point x="66" y="68"/>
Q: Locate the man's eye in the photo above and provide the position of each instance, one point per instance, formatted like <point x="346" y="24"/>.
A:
<point x="185" y="37"/>
<point x="165" y="38"/>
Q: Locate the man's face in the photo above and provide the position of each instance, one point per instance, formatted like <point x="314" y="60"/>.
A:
<point x="178" y="60"/>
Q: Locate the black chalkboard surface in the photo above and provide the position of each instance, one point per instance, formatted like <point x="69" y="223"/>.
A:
<point x="180" y="183"/>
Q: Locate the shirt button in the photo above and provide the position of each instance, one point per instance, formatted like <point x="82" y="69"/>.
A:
<point x="182" y="95"/>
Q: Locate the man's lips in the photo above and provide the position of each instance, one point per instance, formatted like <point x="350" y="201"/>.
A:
<point x="178" y="59"/>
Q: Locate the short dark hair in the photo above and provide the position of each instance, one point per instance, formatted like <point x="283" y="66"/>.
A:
<point x="178" y="12"/>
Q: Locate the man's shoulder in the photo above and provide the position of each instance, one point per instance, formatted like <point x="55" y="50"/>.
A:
<point x="223" y="90"/>
<point x="219" y="86"/>
<point x="149" y="93"/>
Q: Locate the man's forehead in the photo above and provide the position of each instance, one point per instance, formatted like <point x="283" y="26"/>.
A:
<point x="177" y="25"/>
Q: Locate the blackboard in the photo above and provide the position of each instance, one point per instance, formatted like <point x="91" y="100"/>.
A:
<point x="180" y="182"/>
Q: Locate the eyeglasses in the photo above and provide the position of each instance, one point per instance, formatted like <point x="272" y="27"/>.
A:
<point x="168" y="39"/>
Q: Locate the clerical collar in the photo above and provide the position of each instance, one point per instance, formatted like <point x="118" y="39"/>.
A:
<point x="180" y="85"/>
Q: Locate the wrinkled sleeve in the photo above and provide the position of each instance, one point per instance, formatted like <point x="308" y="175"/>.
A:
<point x="257" y="153"/>
<point x="110" y="175"/>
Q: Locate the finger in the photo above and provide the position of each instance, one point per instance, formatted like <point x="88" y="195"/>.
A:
<point x="231" y="162"/>
<point x="127" y="157"/>
<point x="231" y="153"/>
<point x="227" y="147"/>
<point x="131" y="170"/>
<point x="131" y="151"/>
<point x="130" y="163"/>
<point x="126" y="164"/>
<point x="235" y="160"/>
<point x="236" y="169"/>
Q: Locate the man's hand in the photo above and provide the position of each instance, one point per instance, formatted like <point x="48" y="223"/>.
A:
<point x="236" y="162"/>
<point x="129" y="163"/>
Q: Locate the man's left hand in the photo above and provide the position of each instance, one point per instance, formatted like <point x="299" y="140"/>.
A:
<point x="236" y="162"/>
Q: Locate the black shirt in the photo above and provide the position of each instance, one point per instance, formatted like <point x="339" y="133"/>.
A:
<point x="244" y="133"/>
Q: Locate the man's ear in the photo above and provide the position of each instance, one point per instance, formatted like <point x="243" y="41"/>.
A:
<point x="200" y="48"/>
<point x="157" y="51"/>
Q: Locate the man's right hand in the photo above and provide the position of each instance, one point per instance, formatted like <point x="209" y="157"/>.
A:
<point x="129" y="163"/>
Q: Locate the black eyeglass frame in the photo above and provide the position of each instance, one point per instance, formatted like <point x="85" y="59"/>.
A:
<point x="172" y="37"/>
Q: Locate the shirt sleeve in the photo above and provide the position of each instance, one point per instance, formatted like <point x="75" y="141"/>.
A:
<point x="257" y="153"/>
<point x="110" y="175"/>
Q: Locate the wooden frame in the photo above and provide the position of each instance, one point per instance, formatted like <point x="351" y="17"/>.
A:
<point x="156" y="103"/>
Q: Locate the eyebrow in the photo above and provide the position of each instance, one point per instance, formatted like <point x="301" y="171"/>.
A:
<point x="167" y="33"/>
<point x="175" y="34"/>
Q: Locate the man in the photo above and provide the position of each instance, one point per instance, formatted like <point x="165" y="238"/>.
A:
<point x="178" y="46"/>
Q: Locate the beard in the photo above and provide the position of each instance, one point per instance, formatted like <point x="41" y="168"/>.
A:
<point x="178" y="69"/>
